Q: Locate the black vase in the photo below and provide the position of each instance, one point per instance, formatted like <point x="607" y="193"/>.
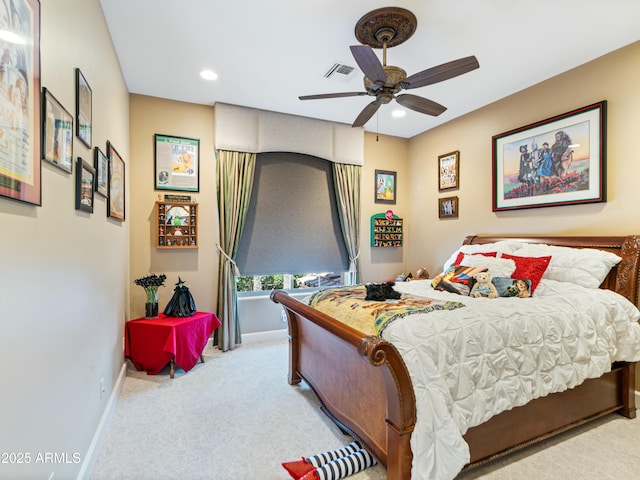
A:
<point x="151" y="310"/>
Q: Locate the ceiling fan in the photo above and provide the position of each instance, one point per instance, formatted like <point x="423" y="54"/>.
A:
<point x="385" y="28"/>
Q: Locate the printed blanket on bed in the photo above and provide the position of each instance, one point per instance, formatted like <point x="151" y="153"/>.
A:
<point x="348" y="304"/>
<point x="469" y="364"/>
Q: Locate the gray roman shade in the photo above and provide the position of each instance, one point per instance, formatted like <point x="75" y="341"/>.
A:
<point x="292" y="225"/>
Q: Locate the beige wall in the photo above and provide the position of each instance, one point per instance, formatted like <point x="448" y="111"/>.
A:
<point x="383" y="153"/>
<point x="614" y="77"/>
<point x="64" y="274"/>
<point x="197" y="267"/>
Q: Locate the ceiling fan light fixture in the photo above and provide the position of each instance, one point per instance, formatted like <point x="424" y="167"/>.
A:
<point x="398" y="113"/>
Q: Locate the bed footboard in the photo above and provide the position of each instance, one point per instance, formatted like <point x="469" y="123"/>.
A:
<point x="361" y="382"/>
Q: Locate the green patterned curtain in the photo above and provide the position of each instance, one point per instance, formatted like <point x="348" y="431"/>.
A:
<point x="234" y="180"/>
<point x="346" y="180"/>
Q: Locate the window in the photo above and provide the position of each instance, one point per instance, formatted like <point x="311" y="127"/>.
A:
<point x="292" y="225"/>
<point x="260" y="283"/>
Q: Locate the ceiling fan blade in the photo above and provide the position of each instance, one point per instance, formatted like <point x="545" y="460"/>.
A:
<point x="366" y="114"/>
<point x="369" y="63"/>
<point x="441" y="72"/>
<point x="331" y="95"/>
<point x="420" y="104"/>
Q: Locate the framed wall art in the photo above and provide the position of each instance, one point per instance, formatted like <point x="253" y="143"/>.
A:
<point x="448" y="171"/>
<point x="20" y="97"/>
<point x="116" y="202"/>
<point x="57" y="133"/>
<point x="101" y="164"/>
<point x="85" y="178"/>
<point x="557" y="161"/>
<point x="177" y="163"/>
<point x="83" y="109"/>
<point x="448" y="207"/>
<point x="385" y="187"/>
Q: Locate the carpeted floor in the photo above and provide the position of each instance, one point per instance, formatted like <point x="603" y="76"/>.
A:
<point x="236" y="417"/>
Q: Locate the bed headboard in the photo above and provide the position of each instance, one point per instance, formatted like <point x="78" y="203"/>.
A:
<point x="623" y="278"/>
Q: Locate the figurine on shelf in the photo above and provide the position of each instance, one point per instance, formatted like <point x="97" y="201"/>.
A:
<point x="181" y="303"/>
<point x="177" y="231"/>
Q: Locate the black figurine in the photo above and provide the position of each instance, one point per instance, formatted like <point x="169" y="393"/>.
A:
<point x="181" y="303"/>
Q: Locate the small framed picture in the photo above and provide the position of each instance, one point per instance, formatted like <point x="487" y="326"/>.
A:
<point x="85" y="178"/>
<point x="101" y="164"/>
<point x="449" y="171"/>
<point x="57" y="133"/>
<point x="448" y="207"/>
<point x="83" y="109"/>
<point x="385" y="187"/>
<point x="177" y="165"/>
<point x="116" y="203"/>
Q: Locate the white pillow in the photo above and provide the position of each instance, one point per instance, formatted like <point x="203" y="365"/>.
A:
<point x="587" y="267"/>
<point x="497" y="267"/>
<point x="503" y="246"/>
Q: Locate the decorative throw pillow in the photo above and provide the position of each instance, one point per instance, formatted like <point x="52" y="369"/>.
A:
<point x="512" y="287"/>
<point x="586" y="267"/>
<point x="497" y="267"/>
<point x="532" y="268"/>
<point x="456" y="279"/>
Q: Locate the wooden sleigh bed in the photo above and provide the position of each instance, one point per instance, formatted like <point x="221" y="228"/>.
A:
<point x="364" y="386"/>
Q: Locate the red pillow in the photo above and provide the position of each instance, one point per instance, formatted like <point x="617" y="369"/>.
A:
<point x="461" y="255"/>
<point x="531" y="268"/>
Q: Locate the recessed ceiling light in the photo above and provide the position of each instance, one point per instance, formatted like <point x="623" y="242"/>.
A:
<point x="398" y="113"/>
<point x="208" y="75"/>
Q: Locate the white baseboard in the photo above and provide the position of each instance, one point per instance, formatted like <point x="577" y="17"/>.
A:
<point x="637" y="399"/>
<point x="262" y="337"/>
<point x="91" y="457"/>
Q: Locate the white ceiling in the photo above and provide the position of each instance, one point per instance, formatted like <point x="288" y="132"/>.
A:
<point x="267" y="53"/>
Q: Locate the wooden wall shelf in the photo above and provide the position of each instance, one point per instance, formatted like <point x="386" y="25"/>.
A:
<point x="176" y="225"/>
<point x="386" y="232"/>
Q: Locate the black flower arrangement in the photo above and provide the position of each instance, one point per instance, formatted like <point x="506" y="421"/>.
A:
<point x="150" y="283"/>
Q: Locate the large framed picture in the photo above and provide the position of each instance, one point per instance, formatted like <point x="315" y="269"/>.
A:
<point x="57" y="133"/>
<point x="177" y="163"/>
<point x="101" y="164"/>
<point x="85" y="178"/>
<point x="448" y="171"/>
<point x="448" y="207"/>
<point x="116" y="202"/>
<point x="557" y="161"/>
<point x="83" y="109"/>
<point x="20" y="103"/>
<point x="385" y="187"/>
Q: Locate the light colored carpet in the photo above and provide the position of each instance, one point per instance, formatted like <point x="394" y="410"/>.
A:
<point x="236" y="417"/>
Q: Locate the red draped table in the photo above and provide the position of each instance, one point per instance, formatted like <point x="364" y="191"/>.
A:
<point x="152" y="343"/>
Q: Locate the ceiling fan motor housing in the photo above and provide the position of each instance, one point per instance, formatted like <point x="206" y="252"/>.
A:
<point x="395" y="75"/>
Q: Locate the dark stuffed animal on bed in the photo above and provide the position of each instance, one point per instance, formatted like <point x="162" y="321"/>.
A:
<point x="381" y="291"/>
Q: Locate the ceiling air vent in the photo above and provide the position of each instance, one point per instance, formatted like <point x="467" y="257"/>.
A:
<point x="339" y="71"/>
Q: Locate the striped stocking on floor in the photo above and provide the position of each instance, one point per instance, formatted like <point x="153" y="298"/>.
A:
<point x="331" y="465"/>
<point x="342" y="467"/>
<point x="322" y="458"/>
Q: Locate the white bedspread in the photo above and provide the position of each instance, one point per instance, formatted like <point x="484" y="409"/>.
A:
<point x="495" y="354"/>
